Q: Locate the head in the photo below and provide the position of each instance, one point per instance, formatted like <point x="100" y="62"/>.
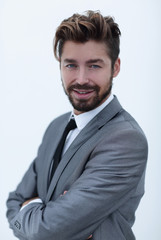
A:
<point x="87" y="47"/>
<point x="92" y="26"/>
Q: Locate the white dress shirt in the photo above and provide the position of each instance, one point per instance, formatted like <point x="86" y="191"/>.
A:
<point x="82" y="120"/>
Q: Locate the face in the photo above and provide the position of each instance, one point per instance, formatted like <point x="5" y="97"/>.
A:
<point x="87" y="74"/>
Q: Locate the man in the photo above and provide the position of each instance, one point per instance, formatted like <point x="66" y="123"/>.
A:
<point x="92" y="188"/>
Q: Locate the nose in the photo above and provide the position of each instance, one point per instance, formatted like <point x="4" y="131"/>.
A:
<point x="82" y="76"/>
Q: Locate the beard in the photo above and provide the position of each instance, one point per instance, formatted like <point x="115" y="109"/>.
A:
<point x="85" y="105"/>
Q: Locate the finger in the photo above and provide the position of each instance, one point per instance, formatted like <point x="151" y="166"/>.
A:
<point x="90" y="236"/>
<point x="63" y="193"/>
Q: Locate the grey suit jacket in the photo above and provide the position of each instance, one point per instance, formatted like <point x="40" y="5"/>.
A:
<point x="103" y="173"/>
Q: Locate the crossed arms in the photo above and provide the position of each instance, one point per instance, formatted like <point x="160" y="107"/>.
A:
<point x="109" y="180"/>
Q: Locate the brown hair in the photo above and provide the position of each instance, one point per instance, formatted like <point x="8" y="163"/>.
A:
<point x="92" y="26"/>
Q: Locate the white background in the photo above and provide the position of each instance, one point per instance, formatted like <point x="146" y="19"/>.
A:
<point x="31" y="94"/>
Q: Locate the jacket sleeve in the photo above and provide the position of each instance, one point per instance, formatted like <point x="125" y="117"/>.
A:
<point x="25" y="190"/>
<point x="109" y="179"/>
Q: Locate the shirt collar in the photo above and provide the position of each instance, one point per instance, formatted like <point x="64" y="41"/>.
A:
<point x="84" y="118"/>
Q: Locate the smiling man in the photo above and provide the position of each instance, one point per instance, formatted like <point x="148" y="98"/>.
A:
<point x="88" y="177"/>
<point x="87" y="74"/>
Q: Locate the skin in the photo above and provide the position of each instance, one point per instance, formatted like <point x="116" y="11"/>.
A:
<point x="86" y="72"/>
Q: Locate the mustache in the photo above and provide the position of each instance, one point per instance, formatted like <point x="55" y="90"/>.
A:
<point x="83" y="87"/>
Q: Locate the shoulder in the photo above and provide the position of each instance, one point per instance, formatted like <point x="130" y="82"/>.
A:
<point x="123" y="133"/>
<point x="60" y="119"/>
<point x="56" y="124"/>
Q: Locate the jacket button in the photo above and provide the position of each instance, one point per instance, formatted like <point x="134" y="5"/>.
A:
<point x="17" y="225"/>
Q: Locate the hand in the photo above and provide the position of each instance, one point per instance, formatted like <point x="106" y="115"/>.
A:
<point x="89" y="237"/>
<point x="64" y="194"/>
<point x="29" y="200"/>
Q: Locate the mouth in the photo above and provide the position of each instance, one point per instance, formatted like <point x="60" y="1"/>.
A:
<point x="83" y="93"/>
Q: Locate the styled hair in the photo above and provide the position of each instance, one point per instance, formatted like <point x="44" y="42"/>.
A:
<point x="91" y="26"/>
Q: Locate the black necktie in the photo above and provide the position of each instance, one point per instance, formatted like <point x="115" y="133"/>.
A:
<point x="57" y="156"/>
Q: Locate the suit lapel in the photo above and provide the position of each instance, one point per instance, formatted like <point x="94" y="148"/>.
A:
<point x="92" y="127"/>
<point x="77" y="143"/>
<point x="50" y="148"/>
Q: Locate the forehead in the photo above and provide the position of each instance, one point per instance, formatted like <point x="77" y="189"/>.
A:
<point x="88" y="50"/>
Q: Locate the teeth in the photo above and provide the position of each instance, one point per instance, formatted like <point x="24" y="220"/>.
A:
<point x="82" y="92"/>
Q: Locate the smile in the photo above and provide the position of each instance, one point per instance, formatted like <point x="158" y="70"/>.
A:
<point x="78" y="93"/>
<point x="83" y="91"/>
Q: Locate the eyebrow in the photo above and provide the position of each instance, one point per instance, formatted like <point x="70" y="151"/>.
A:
<point x="95" y="60"/>
<point x="70" y="60"/>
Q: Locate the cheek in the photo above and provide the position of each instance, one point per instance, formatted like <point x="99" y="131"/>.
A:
<point x="105" y="82"/>
<point x="68" y="78"/>
<point x="64" y="78"/>
<point x="65" y="81"/>
<point x="101" y="79"/>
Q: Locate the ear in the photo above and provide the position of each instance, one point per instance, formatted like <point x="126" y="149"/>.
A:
<point x="116" y="68"/>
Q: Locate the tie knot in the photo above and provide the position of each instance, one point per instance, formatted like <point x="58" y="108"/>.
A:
<point x="71" y="125"/>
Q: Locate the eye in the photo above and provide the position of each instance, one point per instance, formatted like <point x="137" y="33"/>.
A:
<point x="71" y="66"/>
<point x="94" y="66"/>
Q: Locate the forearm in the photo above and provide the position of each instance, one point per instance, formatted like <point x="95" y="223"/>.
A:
<point x="30" y="201"/>
<point x="24" y="191"/>
<point x="38" y="221"/>
<point x="14" y="204"/>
